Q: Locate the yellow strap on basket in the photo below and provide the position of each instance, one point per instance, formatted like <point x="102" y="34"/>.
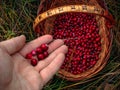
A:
<point x="69" y="8"/>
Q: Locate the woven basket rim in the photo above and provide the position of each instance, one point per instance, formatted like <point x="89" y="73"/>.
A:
<point x="68" y="8"/>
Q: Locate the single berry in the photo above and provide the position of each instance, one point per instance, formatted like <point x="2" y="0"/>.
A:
<point x="39" y="50"/>
<point x="34" y="62"/>
<point x="29" y="56"/>
<point x="33" y="52"/>
<point x="44" y="47"/>
<point x="40" y="56"/>
<point x="45" y="54"/>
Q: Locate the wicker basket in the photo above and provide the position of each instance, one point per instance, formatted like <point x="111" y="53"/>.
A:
<point x="47" y="12"/>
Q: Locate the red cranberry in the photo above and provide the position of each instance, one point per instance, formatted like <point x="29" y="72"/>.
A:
<point x="78" y="59"/>
<point x="33" y="52"/>
<point x="44" y="47"/>
<point x="40" y="56"/>
<point x="34" y="62"/>
<point x="39" y="50"/>
<point x="93" y="62"/>
<point x="29" y="56"/>
<point x="45" y="54"/>
<point x="84" y="62"/>
<point x="97" y="39"/>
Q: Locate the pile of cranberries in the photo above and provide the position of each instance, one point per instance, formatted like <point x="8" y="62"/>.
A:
<point x="38" y="54"/>
<point x="81" y="34"/>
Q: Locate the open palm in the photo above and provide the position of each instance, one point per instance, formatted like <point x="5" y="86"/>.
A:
<point x="16" y="73"/>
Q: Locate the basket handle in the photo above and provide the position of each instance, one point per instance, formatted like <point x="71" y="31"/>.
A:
<point x="75" y="8"/>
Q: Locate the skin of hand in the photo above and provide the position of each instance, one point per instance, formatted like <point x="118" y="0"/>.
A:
<point x="16" y="73"/>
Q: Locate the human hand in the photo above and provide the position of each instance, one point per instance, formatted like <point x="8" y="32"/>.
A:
<point x="15" y="71"/>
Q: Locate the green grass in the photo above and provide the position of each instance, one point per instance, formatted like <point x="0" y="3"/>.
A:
<point x="16" y="18"/>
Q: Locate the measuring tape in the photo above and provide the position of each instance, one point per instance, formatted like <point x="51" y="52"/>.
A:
<point x="69" y="8"/>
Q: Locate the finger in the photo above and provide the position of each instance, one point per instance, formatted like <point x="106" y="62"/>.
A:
<point x="35" y="43"/>
<point x="13" y="45"/>
<point x="54" y="45"/>
<point x="44" y="63"/>
<point x="52" y="68"/>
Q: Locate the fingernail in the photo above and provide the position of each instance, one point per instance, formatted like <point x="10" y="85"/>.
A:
<point x="22" y="36"/>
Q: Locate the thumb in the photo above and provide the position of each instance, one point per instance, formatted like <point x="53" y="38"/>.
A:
<point x="13" y="45"/>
